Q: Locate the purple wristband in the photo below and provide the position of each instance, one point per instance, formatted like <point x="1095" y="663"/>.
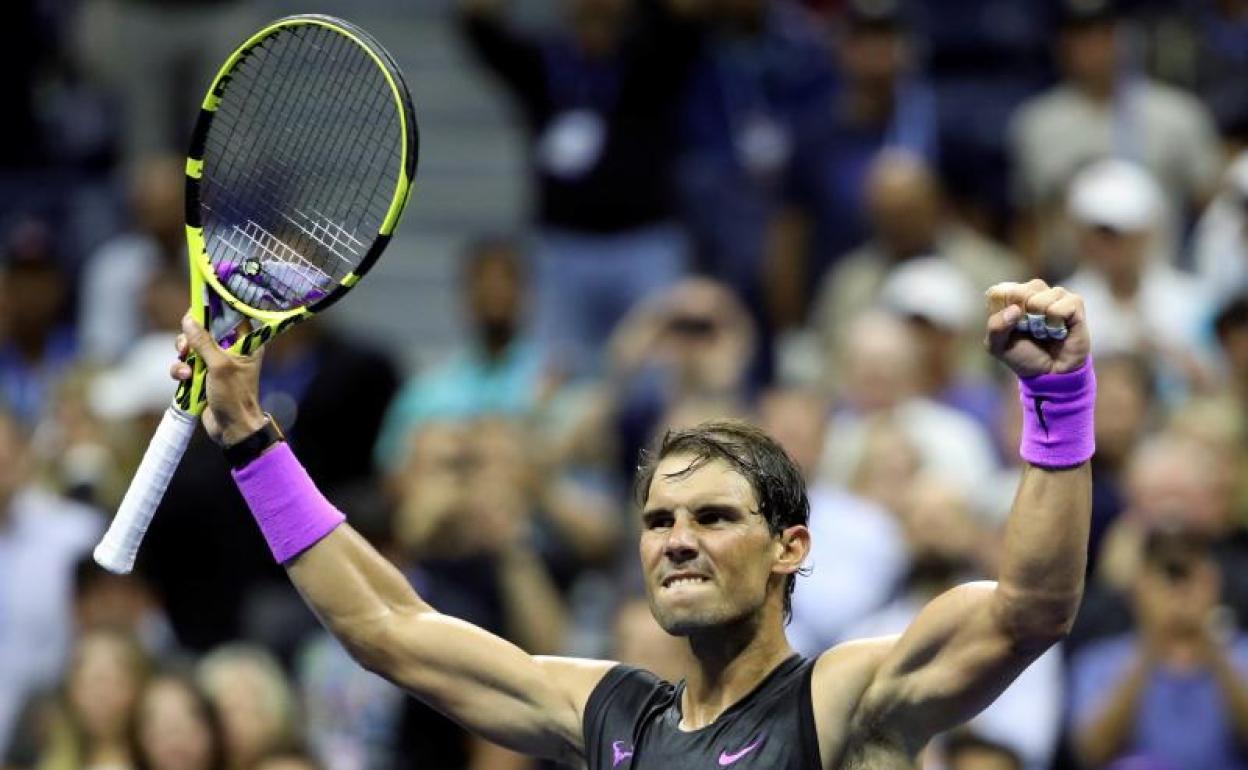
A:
<point x="1058" y="426"/>
<point x="291" y="512"/>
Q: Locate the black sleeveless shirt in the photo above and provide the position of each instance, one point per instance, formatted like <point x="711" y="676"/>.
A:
<point x="632" y="722"/>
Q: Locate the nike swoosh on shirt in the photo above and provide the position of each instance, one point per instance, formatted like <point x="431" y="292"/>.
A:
<point x="726" y="758"/>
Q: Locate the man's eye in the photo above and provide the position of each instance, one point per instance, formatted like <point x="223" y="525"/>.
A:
<point x="659" y="522"/>
<point x="708" y="519"/>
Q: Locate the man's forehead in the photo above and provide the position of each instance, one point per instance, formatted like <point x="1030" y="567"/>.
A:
<point x="710" y="482"/>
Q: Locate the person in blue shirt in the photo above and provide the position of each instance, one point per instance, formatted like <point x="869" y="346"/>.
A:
<point x="499" y="370"/>
<point x="1176" y="687"/>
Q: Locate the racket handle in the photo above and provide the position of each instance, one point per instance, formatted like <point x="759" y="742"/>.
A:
<point x="117" y="550"/>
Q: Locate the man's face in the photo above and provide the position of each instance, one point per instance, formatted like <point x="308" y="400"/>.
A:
<point x="708" y="556"/>
<point x="1087" y="53"/>
<point x="1114" y="253"/>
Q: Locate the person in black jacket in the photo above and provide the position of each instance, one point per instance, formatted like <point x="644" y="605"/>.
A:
<point x="599" y="98"/>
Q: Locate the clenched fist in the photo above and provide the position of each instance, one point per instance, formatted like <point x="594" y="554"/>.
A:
<point x="1029" y="353"/>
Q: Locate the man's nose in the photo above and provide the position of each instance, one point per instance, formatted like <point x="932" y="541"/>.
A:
<point x="681" y="545"/>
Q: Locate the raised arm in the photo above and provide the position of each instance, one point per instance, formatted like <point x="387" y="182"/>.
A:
<point x="970" y="643"/>
<point x="495" y="689"/>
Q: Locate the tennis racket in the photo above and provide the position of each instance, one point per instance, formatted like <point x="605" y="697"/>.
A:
<point x="300" y="165"/>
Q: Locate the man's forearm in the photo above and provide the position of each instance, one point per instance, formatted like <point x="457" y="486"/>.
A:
<point x="1045" y="553"/>
<point x="353" y="589"/>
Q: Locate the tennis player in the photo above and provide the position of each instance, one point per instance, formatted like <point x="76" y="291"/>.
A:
<point x="724" y="514"/>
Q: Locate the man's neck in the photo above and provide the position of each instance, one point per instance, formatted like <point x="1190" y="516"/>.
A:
<point x="728" y="664"/>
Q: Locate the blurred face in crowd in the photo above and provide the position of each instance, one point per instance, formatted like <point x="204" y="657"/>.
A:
<point x="1122" y="407"/>
<point x="944" y="538"/>
<point x="706" y="336"/>
<point x="175" y="727"/>
<point x="873" y="57"/>
<point x="798" y="420"/>
<point x="1176" y="593"/>
<point x="34" y="293"/>
<point x="640" y="641"/>
<point x="708" y="557"/>
<point x="496" y="295"/>
<point x="888" y="466"/>
<point x="598" y="23"/>
<point x="104" y="680"/>
<point x="904" y="204"/>
<point x="1119" y="256"/>
<point x="156" y="196"/>
<point x="112" y="601"/>
<point x="1088" y="56"/>
<point x="252" y="698"/>
<point x="880" y="363"/>
<point x="1174" y="482"/>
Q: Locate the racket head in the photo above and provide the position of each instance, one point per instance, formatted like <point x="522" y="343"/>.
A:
<point x="301" y="163"/>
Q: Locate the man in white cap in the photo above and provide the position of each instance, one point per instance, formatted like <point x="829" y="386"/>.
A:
<point x="940" y="303"/>
<point x="1138" y="302"/>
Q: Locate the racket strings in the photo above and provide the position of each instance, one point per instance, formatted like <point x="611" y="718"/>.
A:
<point x="300" y="166"/>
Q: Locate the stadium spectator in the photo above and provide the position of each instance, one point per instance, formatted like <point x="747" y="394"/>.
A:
<point x="311" y="371"/>
<point x="1115" y="206"/>
<point x="941" y="305"/>
<point x="117" y="275"/>
<point x="948" y="545"/>
<point x="104" y="600"/>
<point x="89" y="723"/>
<point x="159" y="57"/>
<point x="257" y="706"/>
<point x="467" y="530"/>
<point x="688" y="349"/>
<point x="600" y="99"/>
<point x="498" y="371"/>
<point x="1220" y="241"/>
<point x="1103" y="108"/>
<point x="37" y="347"/>
<point x="880" y="369"/>
<point x="1176" y="686"/>
<point x="42" y="537"/>
<point x="1125" y="412"/>
<point x="879" y="104"/>
<point x="851" y="536"/>
<point x="909" y="219"/>
<point x="764" y="70"/>
<point x="177" y="727"/>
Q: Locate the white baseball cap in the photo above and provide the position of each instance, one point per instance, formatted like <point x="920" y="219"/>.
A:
<point x="931" y="288"/>
<point x="1117" y="194"/>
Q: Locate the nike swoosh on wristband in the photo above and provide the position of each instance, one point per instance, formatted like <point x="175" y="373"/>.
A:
<point x="726" y="758"/>
<point x="1038" y="402"/>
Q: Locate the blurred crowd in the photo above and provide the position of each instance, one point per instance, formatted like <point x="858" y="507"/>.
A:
<point x="777" y="211"/>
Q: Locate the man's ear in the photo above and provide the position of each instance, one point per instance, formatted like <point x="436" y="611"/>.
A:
<point x="792" y="548"/>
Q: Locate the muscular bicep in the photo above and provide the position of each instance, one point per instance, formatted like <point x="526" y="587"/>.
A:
<point x="953" y="660"/>
<point x="493" y="688"/>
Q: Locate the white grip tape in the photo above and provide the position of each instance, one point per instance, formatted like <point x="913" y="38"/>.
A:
<point x="120" y="545"/>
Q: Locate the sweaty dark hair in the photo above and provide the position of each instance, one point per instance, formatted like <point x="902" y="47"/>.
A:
<point x="776" y="480"/>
